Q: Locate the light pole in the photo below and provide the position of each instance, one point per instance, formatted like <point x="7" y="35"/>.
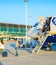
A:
<point x="26" y="8"/>
<point x="30" y="20"/>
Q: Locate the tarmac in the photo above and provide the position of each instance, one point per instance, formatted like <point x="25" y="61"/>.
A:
<point x="25" y="57"/>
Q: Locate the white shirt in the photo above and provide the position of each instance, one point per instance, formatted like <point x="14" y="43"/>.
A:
<point x="2" y="46"/>
<point x="16" y="43"/>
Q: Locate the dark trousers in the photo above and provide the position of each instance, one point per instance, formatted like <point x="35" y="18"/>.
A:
<point x="16" y="51"/>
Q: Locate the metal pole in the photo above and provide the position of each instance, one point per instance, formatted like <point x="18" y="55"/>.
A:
<point x="26" y="16"/>
<point x="30" y="21"/>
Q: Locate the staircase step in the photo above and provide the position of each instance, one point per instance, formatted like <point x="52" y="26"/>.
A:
<point x="37" y="48"/>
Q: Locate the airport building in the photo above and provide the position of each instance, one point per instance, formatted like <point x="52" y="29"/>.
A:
<point x="13" y="30"/>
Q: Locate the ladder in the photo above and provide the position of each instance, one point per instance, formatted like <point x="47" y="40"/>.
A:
<point x="42" y="39"/>
<point x="33" y="31"/>
<point x="9" y="48"/>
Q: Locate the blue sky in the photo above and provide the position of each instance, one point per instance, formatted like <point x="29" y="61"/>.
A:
<point x="13" y="11"/>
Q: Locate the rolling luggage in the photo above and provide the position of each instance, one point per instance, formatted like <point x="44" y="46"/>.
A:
<point x="4" y="54"/>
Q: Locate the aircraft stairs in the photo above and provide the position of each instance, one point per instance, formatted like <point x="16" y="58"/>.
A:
<point x="41" y="40"/>
<point x="42" y="37"/>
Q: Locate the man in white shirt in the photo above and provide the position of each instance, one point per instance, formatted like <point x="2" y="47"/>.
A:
<point x="16" y="47"/>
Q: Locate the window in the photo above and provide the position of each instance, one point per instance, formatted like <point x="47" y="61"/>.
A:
<point x="2" y="28"/>
<point x="16" y="29"/>
<point x="23" y="30"/>
<point x="10" y="29"/>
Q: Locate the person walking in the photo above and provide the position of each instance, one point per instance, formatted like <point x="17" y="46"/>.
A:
<point x="16" y="47"/>
<point x="2" y="45"/>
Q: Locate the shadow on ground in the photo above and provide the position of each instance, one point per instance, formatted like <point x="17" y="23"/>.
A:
<point x="27" y="49"/>
<point x="1" y="63"/>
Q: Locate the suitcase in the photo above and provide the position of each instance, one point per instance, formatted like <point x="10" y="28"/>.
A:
<point x="4" y="54"/>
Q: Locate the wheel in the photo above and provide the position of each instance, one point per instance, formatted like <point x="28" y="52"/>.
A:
<point x="47" y="49"/>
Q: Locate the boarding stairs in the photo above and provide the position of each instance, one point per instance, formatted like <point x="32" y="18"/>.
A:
<point x="9" y="48"/>
<point x="41" y="39"/>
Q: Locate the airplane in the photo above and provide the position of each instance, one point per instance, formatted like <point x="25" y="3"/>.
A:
<point x="45" y="32"/>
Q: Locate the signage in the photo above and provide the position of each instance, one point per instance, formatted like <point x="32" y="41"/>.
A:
<point x="54" y="21"/>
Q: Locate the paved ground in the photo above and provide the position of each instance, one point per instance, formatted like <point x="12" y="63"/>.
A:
<point x="26" y="58"/>
<point x="30" y="59"/>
